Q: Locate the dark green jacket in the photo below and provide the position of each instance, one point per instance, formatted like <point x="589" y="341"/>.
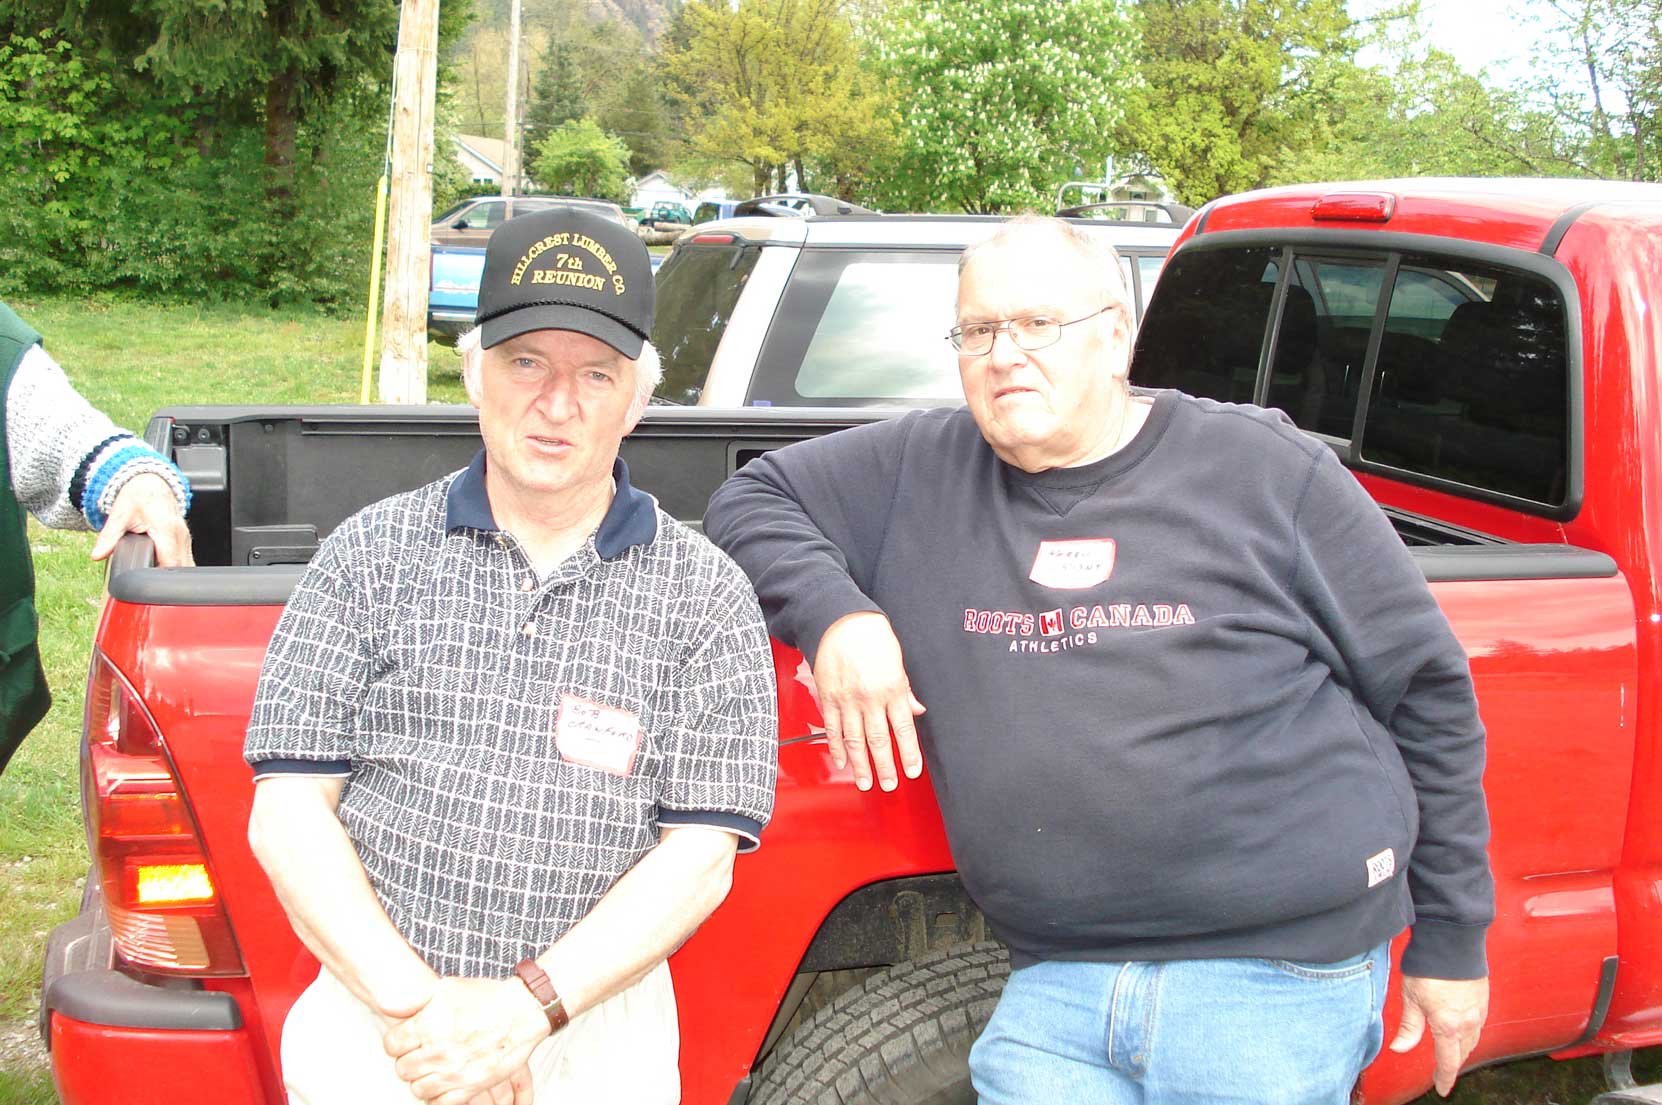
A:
<point x="23" y="694"/>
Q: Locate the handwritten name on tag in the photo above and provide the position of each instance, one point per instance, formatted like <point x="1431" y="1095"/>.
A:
<point x="1073" y="565"/>
<point x="602" y="737"/>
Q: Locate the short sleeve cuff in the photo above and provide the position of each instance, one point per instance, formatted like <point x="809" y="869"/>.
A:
<point x="266" y="769"/>
<point x="747" y="829"/>
<point x="1445" y="949"/>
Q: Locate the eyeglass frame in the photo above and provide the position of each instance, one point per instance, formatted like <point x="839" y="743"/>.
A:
<point x="1003" y="326"/>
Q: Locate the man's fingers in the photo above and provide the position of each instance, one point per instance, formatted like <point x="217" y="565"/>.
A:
<point x="906" y="736"/>
<point x="854" y="744"/>
<point x="400" y="1039"/>
<point x="172" y="546"/>
<point x="834" y="735"/>
<point x="1450" y="1053"/>
<point x="877" y="743"/>
<point x="520" y="1080"/>
<point x="107" y="537"/>
<point x="1410" y="1030"/>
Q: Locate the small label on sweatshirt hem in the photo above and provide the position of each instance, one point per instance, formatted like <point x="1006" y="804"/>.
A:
<point x="1381" y="867"/>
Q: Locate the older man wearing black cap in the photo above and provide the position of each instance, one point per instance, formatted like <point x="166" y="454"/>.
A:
<point x="512" y="728"/>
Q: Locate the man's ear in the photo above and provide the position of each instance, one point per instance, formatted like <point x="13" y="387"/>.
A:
<point x="472" y="364"/>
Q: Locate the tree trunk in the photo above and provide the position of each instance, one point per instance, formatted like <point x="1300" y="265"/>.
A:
<point x="760" y="175"/>
<point x="801" y="176"/>
<point x="281" y="123"/>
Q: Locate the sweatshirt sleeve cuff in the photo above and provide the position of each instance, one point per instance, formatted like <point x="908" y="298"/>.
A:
<point x="1445" y="949"/>
<point x="820" y="606"/>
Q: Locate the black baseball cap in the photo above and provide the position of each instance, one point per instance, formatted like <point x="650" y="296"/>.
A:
<point x="566" y="268"/>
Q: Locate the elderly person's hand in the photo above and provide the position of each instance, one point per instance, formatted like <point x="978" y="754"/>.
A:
<point x="1454" y="1010"/>
<point x="146" y="504"/>
<point x="470" y="1043"/>
<point x="865" y="696"/>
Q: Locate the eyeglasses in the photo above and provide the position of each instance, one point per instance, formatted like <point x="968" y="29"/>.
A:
<point x="1029" y="333"/>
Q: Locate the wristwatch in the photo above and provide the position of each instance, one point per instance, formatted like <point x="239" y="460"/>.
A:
<point x="536" y="981"/>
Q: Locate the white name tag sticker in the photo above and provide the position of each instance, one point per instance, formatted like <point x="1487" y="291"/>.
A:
<point x="1381" y="867"/>
<point x="1073" y="565"/>
<point x="602" y="737"/>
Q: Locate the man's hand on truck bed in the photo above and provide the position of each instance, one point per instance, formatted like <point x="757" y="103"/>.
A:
<point x="146" y="504"/>
<point x="864" y="694"/>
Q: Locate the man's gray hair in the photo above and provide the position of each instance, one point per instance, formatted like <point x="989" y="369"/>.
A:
<point x="649" y="370"/>
<point x="1101" y="257"/>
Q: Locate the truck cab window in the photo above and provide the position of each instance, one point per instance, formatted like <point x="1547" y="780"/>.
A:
<point x="1207" y="333"/>
<point x="1472" y="383"/>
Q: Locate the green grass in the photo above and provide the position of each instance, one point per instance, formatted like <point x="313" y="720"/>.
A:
<point x="131" y="359"/>
<point x="30" y="1087"/>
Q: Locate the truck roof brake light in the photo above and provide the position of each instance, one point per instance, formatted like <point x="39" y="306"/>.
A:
<point x="1355" y="207"/>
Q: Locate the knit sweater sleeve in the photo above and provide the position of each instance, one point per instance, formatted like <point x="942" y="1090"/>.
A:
<point x="807" y="522"/>
<point x="68" y="461"/>
<point x="1384" y="634"/>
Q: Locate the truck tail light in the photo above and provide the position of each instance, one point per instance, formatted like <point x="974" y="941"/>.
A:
<point x="1355" y="207"/>
<point x="165" y="913"/>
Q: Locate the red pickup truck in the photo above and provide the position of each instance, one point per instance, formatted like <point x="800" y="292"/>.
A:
<point x="1484" y="356"/>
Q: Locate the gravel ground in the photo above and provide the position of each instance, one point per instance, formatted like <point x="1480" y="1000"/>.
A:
<point x="20" y="1046"/>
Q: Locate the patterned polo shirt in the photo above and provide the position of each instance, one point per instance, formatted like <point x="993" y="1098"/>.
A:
<point x="512" y="745"/>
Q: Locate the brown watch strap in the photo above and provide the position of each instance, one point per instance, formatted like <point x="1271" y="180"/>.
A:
<point x="536" y="981"/>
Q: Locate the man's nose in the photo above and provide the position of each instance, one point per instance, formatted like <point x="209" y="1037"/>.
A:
<point x="558" y="397"/>
<point x="1005" y="352"/>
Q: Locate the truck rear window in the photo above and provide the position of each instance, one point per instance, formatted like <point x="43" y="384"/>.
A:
<point x="1444" y="368"/>
<point x="697" y="287"/>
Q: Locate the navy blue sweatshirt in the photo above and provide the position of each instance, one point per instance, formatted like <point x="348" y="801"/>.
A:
<point x="1192" y="700"/>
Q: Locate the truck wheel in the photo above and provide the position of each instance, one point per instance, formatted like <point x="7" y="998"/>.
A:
<point x="900" y="1038"/>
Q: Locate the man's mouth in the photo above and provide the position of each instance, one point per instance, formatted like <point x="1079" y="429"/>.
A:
<point x="1003" y="393"/>
<point x="548" y="444"/>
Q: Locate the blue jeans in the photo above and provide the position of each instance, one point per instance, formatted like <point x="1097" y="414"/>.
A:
<point x="1187" y="1032"/>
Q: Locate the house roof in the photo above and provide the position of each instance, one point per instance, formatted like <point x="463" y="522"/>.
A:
<point x="492" y="151"/>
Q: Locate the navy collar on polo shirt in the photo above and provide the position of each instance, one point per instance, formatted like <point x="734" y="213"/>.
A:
<point x="631" y="520"/>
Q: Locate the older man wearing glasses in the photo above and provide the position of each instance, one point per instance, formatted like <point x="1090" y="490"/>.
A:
<point x="1202" y="740"/>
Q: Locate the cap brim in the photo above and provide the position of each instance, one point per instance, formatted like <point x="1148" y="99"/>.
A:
<point x="562" y="316"/>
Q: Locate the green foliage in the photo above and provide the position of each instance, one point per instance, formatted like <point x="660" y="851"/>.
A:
<point x="1227" y="89"/>
<point x="774" y="86"/>
<point x="1617" y="122"/>
<point x="580" y="159"/>
<point x="141" y="182"/>
<point x="557" y="98"/>
<point x="1428" y="117"/>
<point x="1001" y="102"/>
<point x="111" y="195"/>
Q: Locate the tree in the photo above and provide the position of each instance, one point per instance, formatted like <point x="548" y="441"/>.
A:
<point x="557" y="97"/>
<point x="1618" y="45"/>
<point x="580" y="159"/>
<point x="1428" y="117"/>
<point x="1227" y="89"/>
<point x="1001" y="101"/>
<point x="774" y="85"/>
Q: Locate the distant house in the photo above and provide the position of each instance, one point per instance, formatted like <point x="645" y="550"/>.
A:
<point x="656" y="187"/>
<point x="481" y="156"/>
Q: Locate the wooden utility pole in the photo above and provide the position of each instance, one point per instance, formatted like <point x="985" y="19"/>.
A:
<point x="404" y="309"/>
<point x="510" y="126"/>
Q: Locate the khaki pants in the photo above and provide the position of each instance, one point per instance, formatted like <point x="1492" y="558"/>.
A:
<point x="623" y="1051"/>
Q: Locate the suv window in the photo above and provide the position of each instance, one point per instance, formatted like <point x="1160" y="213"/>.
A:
<point x="864" y="328"/>
<point x="698" y="286"/>
<point x="486" y="216"/>
<point x="1463" y="377"/>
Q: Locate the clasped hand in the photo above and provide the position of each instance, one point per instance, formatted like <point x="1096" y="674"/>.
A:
<point x="470" y="1043"/>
